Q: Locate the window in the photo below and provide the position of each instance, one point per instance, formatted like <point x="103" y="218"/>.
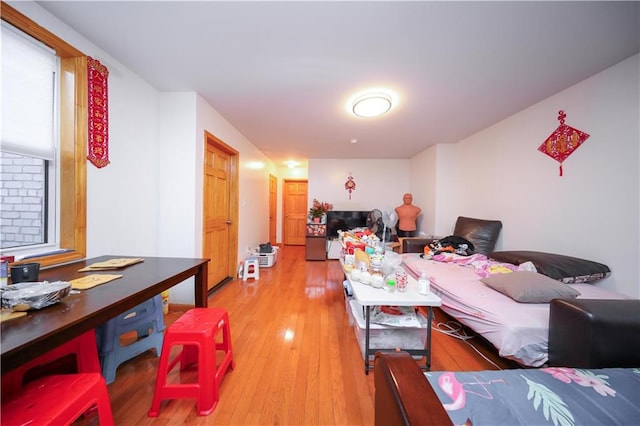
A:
<point x="29" y="143"/>
<point x="26" y="218"/>
<point x="63" y="175"/>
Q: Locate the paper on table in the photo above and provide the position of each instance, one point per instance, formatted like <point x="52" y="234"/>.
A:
<point x="396" y="316"/>
<point x="7" y="315"/>
<point x="111" y="264"/>
<point x="92" y="280"/>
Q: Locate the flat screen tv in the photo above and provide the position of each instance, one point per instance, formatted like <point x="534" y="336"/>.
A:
<point x="345" y="220"/>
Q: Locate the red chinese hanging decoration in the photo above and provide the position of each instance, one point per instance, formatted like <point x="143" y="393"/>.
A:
<point x="350" y="185"/>
<point x="563" y="141"/>
<point x="98" y="113"/>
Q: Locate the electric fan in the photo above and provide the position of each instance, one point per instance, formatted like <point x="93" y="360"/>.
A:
<point x="389" y="219"/>
<point x="375" y="224"/>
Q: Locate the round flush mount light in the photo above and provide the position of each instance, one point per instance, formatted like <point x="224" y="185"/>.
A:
<point x="371" y="104"/>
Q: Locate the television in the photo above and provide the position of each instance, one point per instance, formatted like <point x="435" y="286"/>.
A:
<point x="345" y="220"/>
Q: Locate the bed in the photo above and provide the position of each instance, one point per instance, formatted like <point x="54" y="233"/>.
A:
<point x="504" y="296"/>
<point x="518" y="330"/>
<point x="548" y="396"/>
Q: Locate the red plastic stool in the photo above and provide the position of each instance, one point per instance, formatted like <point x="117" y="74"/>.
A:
<point x="83" y="347"/>
<point x="196" y="331"/>
<point x="58" y="400"/>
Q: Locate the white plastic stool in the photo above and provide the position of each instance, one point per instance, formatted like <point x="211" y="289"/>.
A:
<point x="251" y="268"/>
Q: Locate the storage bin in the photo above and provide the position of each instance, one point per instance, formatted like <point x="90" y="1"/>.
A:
<point x="267" y="260"/>
<point x="348" y="297"/>
<point x="386" y="337"/>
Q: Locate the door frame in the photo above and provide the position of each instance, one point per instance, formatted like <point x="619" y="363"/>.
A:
<point x="285" y="212"/>
<point x="273" y="209"/>
<point x="234" y="197"/>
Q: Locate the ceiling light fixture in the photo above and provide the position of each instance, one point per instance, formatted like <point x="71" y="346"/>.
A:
<point x="371" y="105"/>
<point x="255" y="165"/>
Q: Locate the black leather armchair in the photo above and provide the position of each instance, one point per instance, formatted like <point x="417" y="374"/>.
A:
<point x="483" y="234"/>
<point x="594" y="333"/>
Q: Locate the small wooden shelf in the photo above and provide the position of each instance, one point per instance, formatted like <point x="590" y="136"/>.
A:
<point x="316" y="248"/>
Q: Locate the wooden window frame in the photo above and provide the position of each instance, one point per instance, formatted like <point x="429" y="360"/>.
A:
<point x="73" y="139"/>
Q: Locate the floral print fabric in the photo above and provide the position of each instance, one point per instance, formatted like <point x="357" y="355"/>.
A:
<point x="546" y="396"/>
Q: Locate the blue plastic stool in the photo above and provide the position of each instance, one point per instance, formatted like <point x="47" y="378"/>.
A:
<point x="146" y="319"/>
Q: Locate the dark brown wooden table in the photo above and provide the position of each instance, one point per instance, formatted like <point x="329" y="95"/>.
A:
<point x="25" y="338"/>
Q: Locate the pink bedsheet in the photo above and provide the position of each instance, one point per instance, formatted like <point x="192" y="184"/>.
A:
<point x="518" y="330"/>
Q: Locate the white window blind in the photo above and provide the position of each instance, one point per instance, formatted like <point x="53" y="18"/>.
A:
<point x="28" y="94"/>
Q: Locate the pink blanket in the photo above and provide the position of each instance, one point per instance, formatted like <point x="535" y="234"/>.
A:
<point x="518" y="330"/>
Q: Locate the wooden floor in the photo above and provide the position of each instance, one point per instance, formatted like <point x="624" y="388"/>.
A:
<point x="297" y="359"/>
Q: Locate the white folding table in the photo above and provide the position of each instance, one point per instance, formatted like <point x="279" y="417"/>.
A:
<point x="369" y="296"/>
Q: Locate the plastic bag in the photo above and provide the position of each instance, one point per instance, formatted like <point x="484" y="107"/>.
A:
<point x="391" y="261"/>
<point x="33" y="295"/>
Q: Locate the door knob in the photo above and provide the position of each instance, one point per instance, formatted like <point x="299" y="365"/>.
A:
<point x="228" y="222"/>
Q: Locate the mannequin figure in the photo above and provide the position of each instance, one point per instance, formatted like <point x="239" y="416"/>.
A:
<point x="407" y="215"/>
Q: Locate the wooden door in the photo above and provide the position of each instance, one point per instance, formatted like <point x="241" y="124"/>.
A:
<point x="294" y="211"/>
<point x="220" y="210"/>
<point x="273" y="208"/>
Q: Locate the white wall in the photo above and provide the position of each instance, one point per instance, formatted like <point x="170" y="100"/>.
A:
<point x="380" y="184"/>
<point x="176" y="156"/>
<point x="591" y="211"/>
<point x="177" y="173"/>
<point x="422" y="178"/>
<point x="121" y="197"/>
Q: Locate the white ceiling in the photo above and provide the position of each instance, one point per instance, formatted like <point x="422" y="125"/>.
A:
<point x="282" y="72"/>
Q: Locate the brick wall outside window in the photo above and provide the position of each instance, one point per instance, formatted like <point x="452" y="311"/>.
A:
<point x="22" y="195"/>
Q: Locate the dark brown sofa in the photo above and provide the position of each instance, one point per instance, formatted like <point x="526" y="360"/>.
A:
<point x="403" y="395"/>
<point x="594" y="333"/>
